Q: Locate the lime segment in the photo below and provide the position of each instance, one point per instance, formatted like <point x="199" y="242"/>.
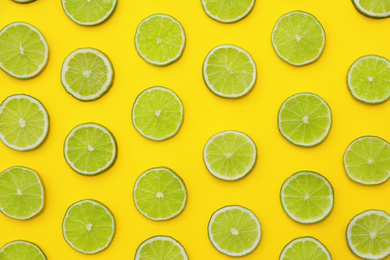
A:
<point x="227" y="11"/>
<point x="305" y="248"/>
<point x="373" y="8"/>
<point x="161" y="247"/>
<point x="21" y="250"/>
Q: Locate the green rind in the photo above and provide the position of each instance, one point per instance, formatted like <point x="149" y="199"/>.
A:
<point x="298" y="239"/>
<point x="23" y="1"/>
<point x="174" y="241"/>
<point x="369" y="14"/>
<point x="227" y="21"/>
<point x="24" y="242"/>
<point x="178" y="177"/>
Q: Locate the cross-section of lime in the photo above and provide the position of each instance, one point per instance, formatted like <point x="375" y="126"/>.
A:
<point x="227" y="11"/>
<point x="373" y="8"/>
<point x="21" y="250"/>
<point x="160" y="247"/>
<point x="305" y="248"/>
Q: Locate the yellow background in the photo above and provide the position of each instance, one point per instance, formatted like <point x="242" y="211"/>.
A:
<point x="349" y="35"/>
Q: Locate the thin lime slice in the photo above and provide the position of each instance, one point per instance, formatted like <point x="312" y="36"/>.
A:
<point x="307" y="197"/>
<point x="24" y="122"/>
<point x="22" y="193"/>
<point x="230" y="155"/>
<point x="298" y="38"/>
<point x="373" y="8"/>
<point x="23" y="1"/>
<point x="368" y="79"/>
<point x="368" y="234"/>
<point x="160" y="247"/>
<point x="23" y="50"/>
<point x="88" y="226"/>
<point x="21" y="250"/>
<point x="157" y="113"/>
<point x="90" y="149"/>
<point x="305" y="248"/>
<point x="234" y="230"/>
<point x="229" y="71"/>
<point x="305" y="119"/>
<point x="160" y="39"/>
<point x="367" y="160"/>
<point x="88" y="12"/>
<point x="87" y="74"/>
<point x="159" y="194"/>
<point x="227" y="11"/>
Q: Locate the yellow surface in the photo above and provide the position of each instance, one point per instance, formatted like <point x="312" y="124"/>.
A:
<point x="349" y="35"/>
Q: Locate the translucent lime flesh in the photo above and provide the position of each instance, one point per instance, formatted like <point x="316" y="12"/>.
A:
<point x="160" y="194"/>
<point x="373" y="8"/>
<point x="21" y="250"/>
<point x="305" y="248"/>
<point x="227" y="10"/>
<point x="161" y="247"/>
<point x="89" y="12"/>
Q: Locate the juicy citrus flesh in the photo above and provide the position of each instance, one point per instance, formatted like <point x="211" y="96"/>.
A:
<point x="234" y="230"/>
<point x="88" y="226"/>
<point x="23" y="50"/>
<point x="368" y="234"/>
<point x="159" y="194"/>
<point x="157" y="113"/>
<point x="21" y="250"/>
<point x="229" y="71"/>
<point x="373" y="8"/>
<point x="160" y="247"/>
<point x="369" y="79"/>
<point x="89" y="12"/>
<point x="298" y="38"/>
<point x="305" y="119"/>
<point x="305" y="248"/>
<point x="160" y="39"/>
<point x="227" y="11"/>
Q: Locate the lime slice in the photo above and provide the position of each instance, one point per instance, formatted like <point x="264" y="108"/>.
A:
<point x="227" y="11"/>
<point x="367" y="160"/>
<point x="234" y="231"/>
<point x="159" y="194"/>
<point x="88" y="226"/>
<point x="87" y="74"/>
<point x="23" y="50"/>
<point x="368" y="234"/>
<point x="21" y="250"/>
<point x="305" y="248"/>
<point x="160" y="247"/>
<point x="21" y="193"/>
<point x="307" y="197"/>
<point x="229" y="71"/>
<point x="373" y="8"/>
<point x="157" y="113"/>
<point x="160" y="39"/>
<point x="298" y="38"/>
<point x="24" y="122"/>
<point x="305" y="119"/>
<point x="368" y="79"/>
<point x="23" y="1"/>
<point x="90" y="12"/>
<point x="230" y="155"/>
<point x="90" y="149"/>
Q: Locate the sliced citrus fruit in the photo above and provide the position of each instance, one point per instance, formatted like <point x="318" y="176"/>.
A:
<point x="305" y="248"/>
<point x="21" y="250"/>
<point x="227" y="11"/>
<point x="373" y="8"/>
<point x="160" y="247"/>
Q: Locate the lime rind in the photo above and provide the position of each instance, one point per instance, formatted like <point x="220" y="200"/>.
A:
<point x="27" y="243"/>
<point x="227" y="20"/>
<point x="105" y="86"/>
<point x="304" y="239"/>
<point x="160" y="238"/>
<point x="369" y="13"/>
<point x="23" y="1"/>
<point x="210" y="85"/>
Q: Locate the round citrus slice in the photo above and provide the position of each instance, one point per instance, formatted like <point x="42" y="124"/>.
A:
<point x="227" y="11"/>
<point x="160" y="39"/>
<point x="23" y="50"/>
<point x="88" y="226"/>
<point x="305" y="119"/>
<point x="368" y="234"/>
<point x="90" y="149"/>
<point x="234" y="231"/>
<point x="23" y="1"/>
<point x="21" y="250"/>
<point x="24" y="122"/>
<point x="373" y="8"/>
<point x="298" y="38"/>
<point x="305" y="248"/>
<point x="229" y="71"/>
<point x="160" y="247"/>
<point x="157" y="113"/>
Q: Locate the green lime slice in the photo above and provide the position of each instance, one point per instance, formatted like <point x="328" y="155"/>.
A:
<point x="157" y="113"/>
<point x="160" y="247"/>
<point x="23" y="1"/>
<point x="229" y="71"/>
<point x="22" y="193"/>
<point x="373" y="8"/>
<point x="368" y="79"/>
<point x="159" y="194"/>
<point x="230" y="155"/>
<point x="307" y="197"/>
<point x="87" y="74"/>
<point x="24" y="122"/>
<point x="21" y="250"/>
<point x="227" y="11"/>
<point x="305" y="119"/>
<point x="23" y="50"/>
<point x="88" y="226"/>
<point x="234" y="230"/>
<point x="367" y="160"/>
<point x="90" y="149"/>
<point x="89" y="12"/>
<point x="368" y="234"/>
<point x="305" y="248"/>
<point x="160" y="39"/>
<point x="298" y="38"/>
